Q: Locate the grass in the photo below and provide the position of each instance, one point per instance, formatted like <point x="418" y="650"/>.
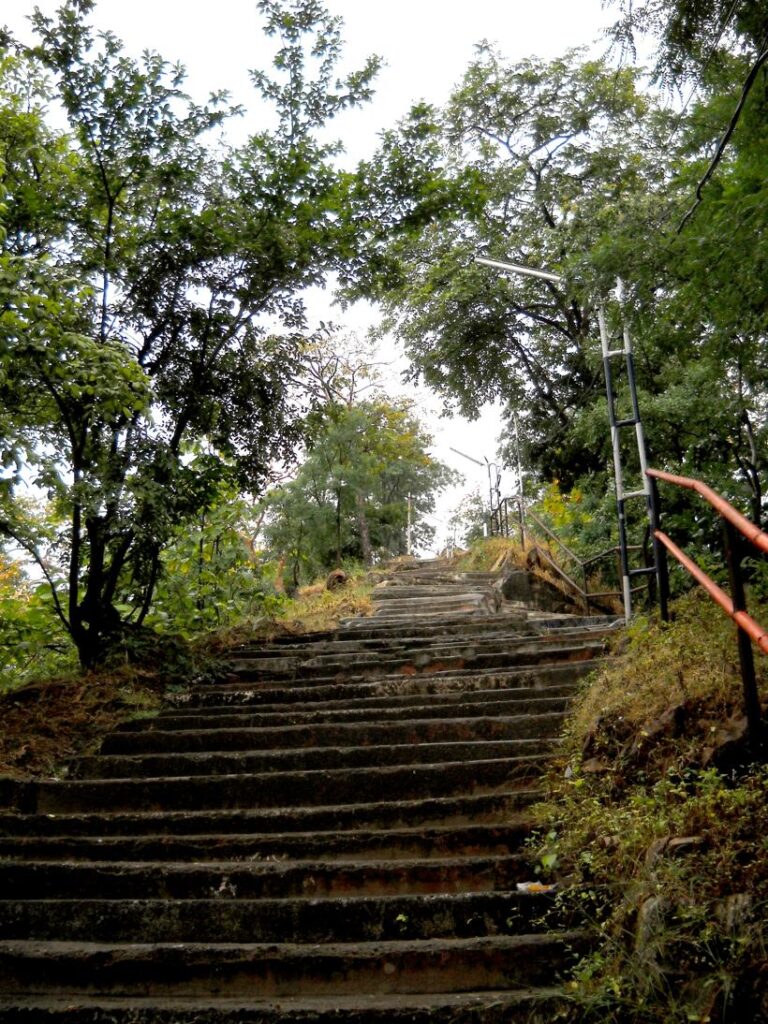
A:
<point x="47" y="723"/>
<point x="656" y="803"/>
<point x="50" y="721"/>
<point x="316" y="609"/>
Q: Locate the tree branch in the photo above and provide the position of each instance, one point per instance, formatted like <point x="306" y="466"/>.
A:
<point x="750" y="81"/>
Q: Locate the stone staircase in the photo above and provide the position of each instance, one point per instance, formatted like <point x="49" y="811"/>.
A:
<point x="333" y="833"/>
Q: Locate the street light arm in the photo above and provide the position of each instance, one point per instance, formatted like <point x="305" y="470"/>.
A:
<point x="516" y="268"/>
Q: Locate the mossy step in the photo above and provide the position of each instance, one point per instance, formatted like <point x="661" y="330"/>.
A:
<point x="181" y="734"/>
<point x="424" y="842"/>
<point x="344" y="919"/>
<point x="451" y="659"/>
<point x="517" y="1006"/>
<point x="415" y="589"/>
<point x="114" y="766"/>
<point x="465" y="809"/>
<point x="259" y="879"/>
<point x="375" y="709"/>
<point x="350" y="653"/>
<point x="541" y="681"/>
<point x="508" y="619"/>
<point x="286" y="789"/>
<point x="257" y="970"/>
<point x="290" y="657"/>
<point x="471" y="705"/>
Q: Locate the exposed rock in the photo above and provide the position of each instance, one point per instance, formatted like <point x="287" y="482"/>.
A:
<point x="669" y="724"/>
<point x="728" y="743"/>
<point x="336" y="579"/>
<point x="672" y="847"/>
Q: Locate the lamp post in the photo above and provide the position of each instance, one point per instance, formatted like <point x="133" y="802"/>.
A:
<point x="490" y="465"/>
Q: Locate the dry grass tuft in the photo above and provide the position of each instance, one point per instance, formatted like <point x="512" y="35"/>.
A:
<point x="316" y="609"/>
<point x="47" y="723"/>
<point x="691" y="663"/>
<point x="656" y="813"/>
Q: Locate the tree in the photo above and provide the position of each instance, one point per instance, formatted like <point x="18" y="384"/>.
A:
<point x="367" y="470"/>
<point x="555" y="147"/>
<point x="691" y="34"/>
<point x="144" y="272"/>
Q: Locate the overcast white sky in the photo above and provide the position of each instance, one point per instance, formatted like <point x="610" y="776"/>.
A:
<point x="426" y="45"/>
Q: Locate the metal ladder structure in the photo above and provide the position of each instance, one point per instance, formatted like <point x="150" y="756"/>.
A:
<point x="617" y="425"/>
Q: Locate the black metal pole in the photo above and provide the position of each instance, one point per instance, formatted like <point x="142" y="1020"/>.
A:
<point x="733" y="555"/>
<point x="659" y="551"/>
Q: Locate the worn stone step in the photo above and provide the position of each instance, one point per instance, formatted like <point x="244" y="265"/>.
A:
<point x="376" y="709"/>
<point x="464" y="809"/>
<point x="114" y="766"/>
<point x="433" y="599"/>
<point x="425" y="842"/>
<point x="503" y="621"/>
<point x="350" y="654"/>
<point x="403" y="679"/>
<point x="508" y="1006"/>
<point x="345" y="919"/>
<point x="260" y="879"/>
<point x="367" y="631"/>
<point x="439" y="965"/>
<point x="286" y="789"/>
<point x="441" y="588"/>
<point x="532" y="654"/>
<point x="541" y="679"/>
<point x="471" y="706"/>
<point x="352" y="647"/>
<point x="181" y="734"/>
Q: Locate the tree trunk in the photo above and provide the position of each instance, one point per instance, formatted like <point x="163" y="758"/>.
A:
<point x="365" y="534"/>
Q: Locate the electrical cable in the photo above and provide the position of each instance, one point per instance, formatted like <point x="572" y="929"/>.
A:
<point x="750" y="81"/>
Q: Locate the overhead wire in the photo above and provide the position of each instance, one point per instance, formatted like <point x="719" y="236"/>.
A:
<point x="746" y="89"/>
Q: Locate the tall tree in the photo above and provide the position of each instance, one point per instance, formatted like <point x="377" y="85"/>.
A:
<point x="147" y="270"/>
<point x="368" y="470"/>
<point x="553" y="149"/>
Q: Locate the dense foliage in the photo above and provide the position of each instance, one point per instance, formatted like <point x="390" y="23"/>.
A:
<point x="579" y="171"/>
<point x="150" y="295"/>
<point x="360" y="494"/>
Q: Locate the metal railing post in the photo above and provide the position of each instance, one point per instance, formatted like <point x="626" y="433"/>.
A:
<point x="659" y="551"/>
<point x="734" y="550"/>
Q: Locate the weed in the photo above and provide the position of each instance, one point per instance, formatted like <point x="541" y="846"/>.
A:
<point x="653" y="804"/>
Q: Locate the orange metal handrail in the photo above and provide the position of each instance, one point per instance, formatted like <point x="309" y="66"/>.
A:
<point x="746" y="528"/>
<point x="750" y="626"/>
<point x="748" y="629"/>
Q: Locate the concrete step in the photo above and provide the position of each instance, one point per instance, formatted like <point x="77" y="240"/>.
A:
<point x="182" y="734"/>
<point x="257" y="970"/>
<point x="483" y="603"/>
<point x="385" y="815"/>
<point x="503" y="1006"/>
<point x="172" y="880"/>
<point x="374" y="709"/>
<point x="505" y="632"/>
<point x="333" y="833"/>
<point x="538" y="678"/>
<point x="425" y="842"/>
<point x="366" y="630"/>
<point x="328" y="919"/>
<point x="506" y="620"/>
<point x="397" y="590"/>
<point x="117" y="766"/>
<point x="288" y="789"/>
<point x="230" y="716"/>
<point x="434" y="660"/>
